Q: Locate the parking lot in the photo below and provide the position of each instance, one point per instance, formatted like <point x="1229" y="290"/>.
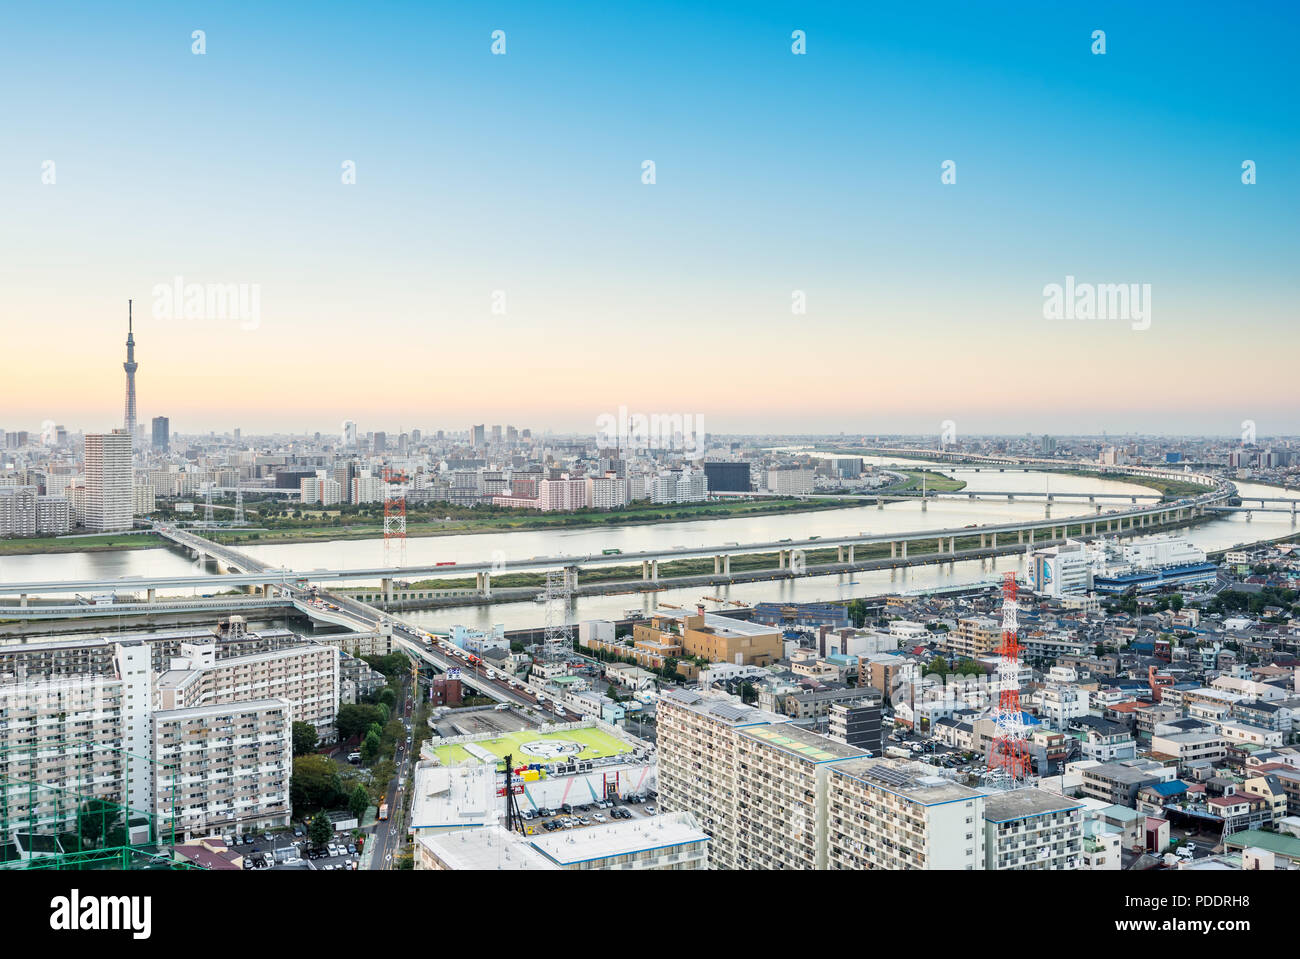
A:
<point x="594" y="813"/>
<point x="285" y="851"/>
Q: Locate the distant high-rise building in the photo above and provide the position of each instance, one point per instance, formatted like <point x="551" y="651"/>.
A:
<point x="162" y="428"/>
<point x="109" y="492"/>
<point x="496" y="435"/>
<point x="477" y="437"/>
<point x="350" y="434"/>
<point x="380" y="442"/>
<point x="130" y="366"/>
<point x="729" y="477"/>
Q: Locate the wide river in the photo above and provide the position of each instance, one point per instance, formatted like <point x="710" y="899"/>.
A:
<point x="898" y="517"/>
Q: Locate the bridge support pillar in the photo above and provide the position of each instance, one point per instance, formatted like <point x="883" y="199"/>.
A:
<point x="1020" y="537"/>
<point x="571" y="578"/>
<point x="952" y="544"/>
<point x="654" y="570"/>
<point x="22" y="601"/>
<point x="645" y="569"/>
<point x="880" y="502"/>
<point x="839" y="554"/>
<point x="851" y="547"/>
<point x="726" y="565"/>
<point x="781" y="558"/>
<point x="149" y="597"/>
<point x="485" y="583"/>
<point x="388" y="589"/>
<point x="717" y="565"/>
<point x="994" y="544"/>
<point x="1031" y="537"/>
<point x="939" y="545"/>
<point x="893" y="550"/>
<point x="1047" y="511"/>
<point x="904" y="549"/>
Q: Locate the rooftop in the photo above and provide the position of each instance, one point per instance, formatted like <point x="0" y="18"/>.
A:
<point x="571" y="847"/>
<point x="1012" y="804"/>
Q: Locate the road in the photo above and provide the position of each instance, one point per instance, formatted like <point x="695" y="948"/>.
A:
<point x="412" y="640"/>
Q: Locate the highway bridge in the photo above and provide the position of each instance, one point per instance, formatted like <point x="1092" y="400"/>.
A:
<point x="252" y="573"/>
<point x="1009" y="495"/>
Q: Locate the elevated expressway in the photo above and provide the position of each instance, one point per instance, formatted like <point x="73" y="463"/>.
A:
<point x="246" y="571"/>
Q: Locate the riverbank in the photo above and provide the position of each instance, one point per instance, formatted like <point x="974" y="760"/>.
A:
<point x="79" y="544"/>
<point x="657" y="514"/>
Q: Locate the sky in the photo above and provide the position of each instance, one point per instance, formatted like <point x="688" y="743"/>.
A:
<point x="499" y="257"/>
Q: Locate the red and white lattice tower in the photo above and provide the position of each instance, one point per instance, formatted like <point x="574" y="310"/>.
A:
<point x="1009" y="763"/>
<point x="394" y="517"/>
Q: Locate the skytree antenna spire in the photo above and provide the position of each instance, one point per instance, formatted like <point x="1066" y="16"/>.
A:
<point x="130" y="366"/>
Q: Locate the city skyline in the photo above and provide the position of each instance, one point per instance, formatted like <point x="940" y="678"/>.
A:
<point x="776" y="174"/>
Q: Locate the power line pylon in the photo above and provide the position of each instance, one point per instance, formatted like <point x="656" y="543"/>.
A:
<point x="394" y="517"/>
<point x="1009" y="761"/>
<point x="558" y="641"/>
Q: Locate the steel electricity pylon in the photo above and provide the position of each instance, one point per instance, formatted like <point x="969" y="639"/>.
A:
<point x="1009" y="762"/>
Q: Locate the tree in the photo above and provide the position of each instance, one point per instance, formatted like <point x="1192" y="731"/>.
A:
<point x="359" y="801"/>
<point x="315" y="783"/>
<point x="370" y="748"/>
<point x="95" y="818"/>
<point x="354" y="719"/>
<point x="388" y="696"/>
<point x="304" y="738"/>
<point x="321" y="830"/>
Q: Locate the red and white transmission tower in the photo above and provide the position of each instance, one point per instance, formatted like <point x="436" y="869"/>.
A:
<point x="394" y="517"/>
<point x="1009" y="764"/>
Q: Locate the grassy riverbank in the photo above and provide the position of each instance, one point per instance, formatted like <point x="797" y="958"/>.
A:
<point x="324" y="526"/>
<point x="78" y="544"/>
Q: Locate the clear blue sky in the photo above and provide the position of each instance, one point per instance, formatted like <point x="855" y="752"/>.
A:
<point x="775" y="172"/>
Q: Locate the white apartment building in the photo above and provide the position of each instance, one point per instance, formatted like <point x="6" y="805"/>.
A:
<point x="109" y="492"/>
<point x="18" y="511"/>
<point x="320" y="489"/>
<point x="143" y="500"/>
<point x="679" y="486"/>
<point x="39" y="716"/>
<point x="561" y="494"/>
<point x="367" y="489"/>
<point x="53" y="515"/>
<point x="781" y="792"/>
<point x="887" y="814"/>
<point x="1032" y="829"/>
<point x="606" y="492"/>
<point x="223" y="768"/>
<point x="698" y="764"/>
<point x="790" y="481"/>
<point x="307" y="677"/>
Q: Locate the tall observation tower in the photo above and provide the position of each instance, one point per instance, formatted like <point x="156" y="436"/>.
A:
<point x="130" y="366"/>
